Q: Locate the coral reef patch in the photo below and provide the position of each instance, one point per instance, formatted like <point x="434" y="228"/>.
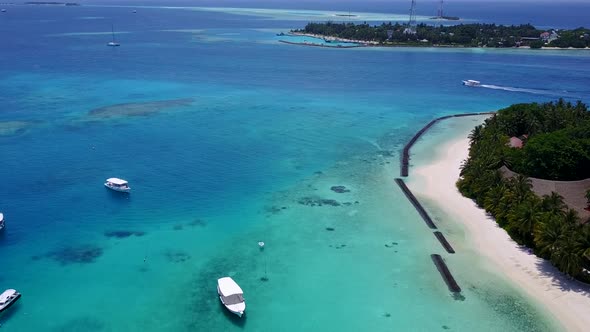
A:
<point x="197" y="223"/>
<point x="137" y="109"/>
<point x="340" y="189"/>
<point x="123" y="234"/>
<point x="82" y="254"/>
<point x="174" y="256"/>
<point x="316" y="201"/>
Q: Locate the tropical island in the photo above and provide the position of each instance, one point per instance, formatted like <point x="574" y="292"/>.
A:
<point x="462" y="35"/>
<point x="514" y="157"/>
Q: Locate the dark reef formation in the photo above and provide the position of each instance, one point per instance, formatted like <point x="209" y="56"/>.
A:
<point x="82" y="254"/>
<point x="316" y="201"/>
<point x="339" y="189"/>
<point x="175" y="256"/>
<point x="123" y="234"/>
<point x="137" y="109"/>
<point x="197" y="223"/>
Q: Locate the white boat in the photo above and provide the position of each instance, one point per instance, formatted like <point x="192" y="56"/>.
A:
<point x="8" y="298"/>
<point x="117" y="185"/>
<point x="471" y="83"/>
<point x="1" y="221"/>
<point x="113" y="43"/>
<point x="231" y="295"/>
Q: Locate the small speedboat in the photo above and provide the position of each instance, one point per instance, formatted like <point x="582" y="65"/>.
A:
<point x="231" y="295"/>
<point x="471" y="83"/>
<point x="8" y="298"/>
<point x="117" y="185"/>
<point x="1" y="221"/>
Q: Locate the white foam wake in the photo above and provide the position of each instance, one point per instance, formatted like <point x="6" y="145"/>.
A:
<point x="547" y="92"/>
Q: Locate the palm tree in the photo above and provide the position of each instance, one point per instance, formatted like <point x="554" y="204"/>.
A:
<point x="554" y="203"/>
<point x="521" y="187"/>
<point x="476" y="135"/>
<point x="571" y="217"/>
<point x="493" y="198"/>
<point x="547" y="233"/>
<point x="584" y="242"/>
<point x="504" y="207"/>
<point x="566" y="255"/>
<point x="523" y="218"/>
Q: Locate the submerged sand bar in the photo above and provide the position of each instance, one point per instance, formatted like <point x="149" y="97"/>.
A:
<point x="138" y="109"/>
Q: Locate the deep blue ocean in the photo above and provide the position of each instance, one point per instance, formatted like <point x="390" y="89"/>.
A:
<point x="224" y="134"/>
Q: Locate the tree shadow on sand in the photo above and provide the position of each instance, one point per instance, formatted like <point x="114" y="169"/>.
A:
<point x="559" y="279"/>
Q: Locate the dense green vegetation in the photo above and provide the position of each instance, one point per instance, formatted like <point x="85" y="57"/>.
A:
<point x="471" y="35"/>
<point x="556" y="137"/>
<point x="558" y="146"/>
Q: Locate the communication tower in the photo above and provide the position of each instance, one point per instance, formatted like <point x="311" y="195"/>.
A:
<point x="440" y="13"/>
<point x="411" y="29"/>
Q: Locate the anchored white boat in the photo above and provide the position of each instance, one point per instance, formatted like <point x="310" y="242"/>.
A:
<point x="117" y="185"/>
<point x="471" y="83"/>
<point x="8" y="298"/>
<point x="231" y="295"/>
<point x="1" y="221"/>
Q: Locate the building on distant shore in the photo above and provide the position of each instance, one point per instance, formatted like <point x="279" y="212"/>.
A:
<point x="549" y="36"/>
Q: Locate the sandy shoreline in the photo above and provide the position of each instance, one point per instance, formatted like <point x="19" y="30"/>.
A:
<point x="377" y="44"/>
<point x="567" y="300"/>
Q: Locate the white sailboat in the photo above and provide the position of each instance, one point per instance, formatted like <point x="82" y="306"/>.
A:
<point x="113" y="43"/>
<point x="1" y="221"/>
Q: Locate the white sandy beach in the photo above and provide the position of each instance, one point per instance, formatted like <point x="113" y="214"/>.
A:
<point x="567" y="300"/>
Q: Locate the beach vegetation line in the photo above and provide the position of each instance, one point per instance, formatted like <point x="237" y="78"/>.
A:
<point x="460" y="35"/>
<point x="550" y="141"/>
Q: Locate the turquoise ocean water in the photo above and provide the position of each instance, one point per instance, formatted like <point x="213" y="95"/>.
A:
<point x="227" y="138"/>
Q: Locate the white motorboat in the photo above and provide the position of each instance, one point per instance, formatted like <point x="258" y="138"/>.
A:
<point x="231" y="295"/>
<point x="8" y="298"/>
<point x="1" y="221"/>
<point x="117" y="185"/>
<point x="471" y="83"/>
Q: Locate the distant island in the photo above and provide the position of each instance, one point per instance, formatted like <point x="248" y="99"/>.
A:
<point x="529" y="167"/>
<point x="462" y="35"/>
<point x="448" y="18"/>
<point x="54" y="3"/>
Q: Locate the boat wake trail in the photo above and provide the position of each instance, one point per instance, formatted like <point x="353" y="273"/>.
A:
<point x="562" y="93"/>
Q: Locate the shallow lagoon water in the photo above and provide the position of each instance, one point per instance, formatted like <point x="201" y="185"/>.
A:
<point x="269" y="128"/>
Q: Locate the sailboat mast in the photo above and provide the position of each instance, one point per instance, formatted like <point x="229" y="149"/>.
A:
<point x="113" y="30"/>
